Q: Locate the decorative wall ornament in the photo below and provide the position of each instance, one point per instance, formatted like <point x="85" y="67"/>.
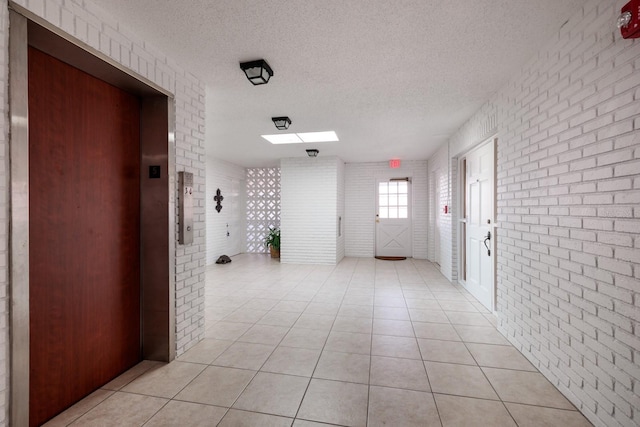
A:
<point x="218" y="198"/>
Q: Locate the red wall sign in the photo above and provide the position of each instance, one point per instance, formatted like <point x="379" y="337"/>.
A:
<point x="394" y="163"/>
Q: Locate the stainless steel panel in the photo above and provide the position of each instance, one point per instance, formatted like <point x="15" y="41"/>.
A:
<point x="185" y="203"/>
<point x="19" y="229"/>
<point x="171" y="120"/>
<point x="157" y="237"/>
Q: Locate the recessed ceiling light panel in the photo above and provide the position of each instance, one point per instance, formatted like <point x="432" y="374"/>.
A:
<point x="283" y="138"/>
<point x="297" y="138"/>
<point x="329" y="136"/>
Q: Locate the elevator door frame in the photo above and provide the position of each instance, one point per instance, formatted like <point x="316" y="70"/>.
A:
<point x="157" y="238"/>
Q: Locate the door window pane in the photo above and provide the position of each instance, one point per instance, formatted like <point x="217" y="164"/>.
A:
<point x="393" y="200"/>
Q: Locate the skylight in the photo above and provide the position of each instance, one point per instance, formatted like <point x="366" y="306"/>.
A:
<point x="329" y="136"/>
<point x="283" y="138"/>
<point x="297" y="138"/>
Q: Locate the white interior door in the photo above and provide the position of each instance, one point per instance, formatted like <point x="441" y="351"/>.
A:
<point x="479" y="203"/>
<point x="393" y="219"/>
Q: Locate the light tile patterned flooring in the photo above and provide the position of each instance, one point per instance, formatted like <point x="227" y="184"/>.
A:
<point x="364" y="343"/>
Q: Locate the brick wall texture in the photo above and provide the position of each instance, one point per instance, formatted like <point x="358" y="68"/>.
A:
<point x="309" y="191"/>
<point x="568" y="198"/>
<point x="440" y="223"/>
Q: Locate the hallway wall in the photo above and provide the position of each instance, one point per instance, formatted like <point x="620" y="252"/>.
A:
<point x="310" y="210"/>
<point x="340" y="250"/>
<point x="439" y="184"/>
<point x="232" y="218"/>
<point x="360" y="205"/>
<point x="94" y="27"/>
<point x="568" y="191"/>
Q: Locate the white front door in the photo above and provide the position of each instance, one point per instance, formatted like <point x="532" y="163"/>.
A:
<point x="479" y="203"/>
<point x="393" y="219"/>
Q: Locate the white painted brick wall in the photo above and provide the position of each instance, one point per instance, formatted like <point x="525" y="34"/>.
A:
<point x="450" y="219"/>
<point x="340" y="251"/>
<point x="230" y="179"/>
<point x="568" y="177"/>
<point x="360" y="205"/>
<point x="309" y="210"/>
<point x="438" y="172"/>
<point x="95" y="27"/>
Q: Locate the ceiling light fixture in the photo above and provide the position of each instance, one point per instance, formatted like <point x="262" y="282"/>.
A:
<point x="258" y="72"/>
<point x="312" y="152"/>
<point x="282" y="123"/>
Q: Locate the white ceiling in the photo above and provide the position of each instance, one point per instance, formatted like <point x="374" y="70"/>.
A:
<point x="393" y="78"/>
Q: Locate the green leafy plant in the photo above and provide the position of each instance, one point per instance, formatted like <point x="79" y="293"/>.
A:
<point x="273" y="238"/>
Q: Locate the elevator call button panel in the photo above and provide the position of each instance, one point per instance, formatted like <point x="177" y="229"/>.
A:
<point x="185" y="208"/>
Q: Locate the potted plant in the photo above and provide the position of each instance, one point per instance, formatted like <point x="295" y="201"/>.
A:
<point x="272" y="241"/>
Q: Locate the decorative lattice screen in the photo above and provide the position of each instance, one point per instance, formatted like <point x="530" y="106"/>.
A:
<point x="263" y="206"/>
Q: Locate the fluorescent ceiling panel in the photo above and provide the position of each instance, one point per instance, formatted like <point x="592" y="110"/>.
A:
<point x="297" y="138"/>
<point x="329" y="136"/>
<point x="283" y="138"/>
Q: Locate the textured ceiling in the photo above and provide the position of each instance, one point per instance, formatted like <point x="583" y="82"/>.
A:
<point x="393" y="78"/>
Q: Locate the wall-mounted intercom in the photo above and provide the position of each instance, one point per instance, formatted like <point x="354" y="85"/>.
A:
<point x="185" y="208"/>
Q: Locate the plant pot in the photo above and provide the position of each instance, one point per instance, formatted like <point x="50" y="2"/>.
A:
<point x="275" y="253"/>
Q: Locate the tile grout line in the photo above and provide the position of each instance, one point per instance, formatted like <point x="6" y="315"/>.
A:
<point x="321" y="351"/>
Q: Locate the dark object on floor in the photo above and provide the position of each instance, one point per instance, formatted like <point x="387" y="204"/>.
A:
<point x="223" y="260"/>
<point x="392" y="258"/>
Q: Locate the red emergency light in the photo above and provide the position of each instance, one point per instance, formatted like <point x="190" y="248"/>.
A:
<point x="394" y="163"/>
<point x="629" y="20"/>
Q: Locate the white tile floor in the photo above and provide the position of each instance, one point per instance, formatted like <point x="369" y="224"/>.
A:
<point x="364" y="343"/>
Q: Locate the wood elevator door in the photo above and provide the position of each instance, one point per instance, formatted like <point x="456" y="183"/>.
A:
<point x="84" y="234"/>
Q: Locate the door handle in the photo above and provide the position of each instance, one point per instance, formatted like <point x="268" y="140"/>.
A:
<point x="485" y="243"/>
